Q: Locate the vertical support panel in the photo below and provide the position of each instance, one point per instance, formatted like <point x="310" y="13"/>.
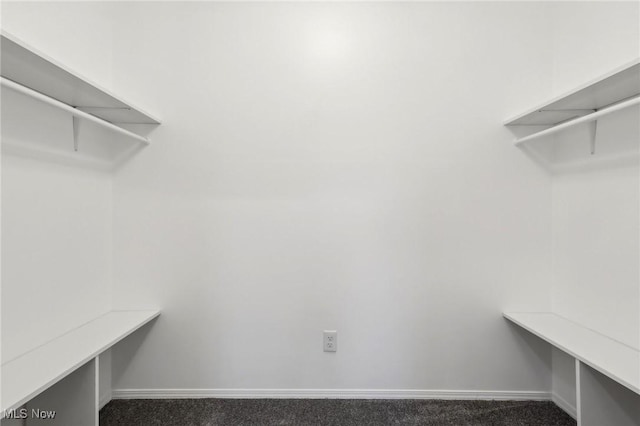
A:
<point x="104" y="378"/>
<point x="578" y="393"/>
<point x="96" y="391"/>
<point x="73" y="401"/>
<point x="603" y="401"/>
<point x="563" y="381"/>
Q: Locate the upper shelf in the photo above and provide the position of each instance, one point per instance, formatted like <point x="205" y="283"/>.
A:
<point x="613" y="91"/>
<point x="30" y="68"/>
<point x="33" y="73"/>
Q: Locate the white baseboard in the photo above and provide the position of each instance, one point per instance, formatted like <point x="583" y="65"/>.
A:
<point x="328" y="393"/>
<point x="565" y="406"/>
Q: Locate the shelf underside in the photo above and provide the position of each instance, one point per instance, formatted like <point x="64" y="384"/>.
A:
<point x="609" y="90"/>
<point x="29" y="68"/>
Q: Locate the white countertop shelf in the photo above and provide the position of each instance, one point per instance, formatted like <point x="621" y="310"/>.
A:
<point x="604" y="354"/>
<point x="32" y="372"/>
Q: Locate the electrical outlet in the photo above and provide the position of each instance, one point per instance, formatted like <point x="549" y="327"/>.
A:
<point x="330" y="340"/>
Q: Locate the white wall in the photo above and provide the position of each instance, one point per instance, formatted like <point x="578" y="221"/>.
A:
<point x="326" y="166"/>
<point x="56" y="250"/>
<point x="596" y="215"/>
<point x="56" y="205"/>
<point x="596" y="199"/>
<point x="78" y="34"/>
<point x="333" y="166"/>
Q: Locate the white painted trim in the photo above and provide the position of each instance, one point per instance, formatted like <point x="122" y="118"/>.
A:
<point x="564" y="405"/>
<point x="329" y="394"/>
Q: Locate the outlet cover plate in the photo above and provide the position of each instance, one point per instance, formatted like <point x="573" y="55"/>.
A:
<point x="330" y="340"/>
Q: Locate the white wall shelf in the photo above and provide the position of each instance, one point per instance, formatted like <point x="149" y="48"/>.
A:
<point x="614" y="91"/>
<point x="33" y="73"/>
<point x="32" y="373"/>
<point x="603" y="366"/>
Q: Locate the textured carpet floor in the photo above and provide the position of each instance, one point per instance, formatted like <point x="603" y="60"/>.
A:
<point x="205" y="412"/>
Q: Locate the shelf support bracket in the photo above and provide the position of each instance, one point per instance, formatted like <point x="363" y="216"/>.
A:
<point x="75" y="132"/>
<point x="68" y="108"/>
<point x="593" y="130"/>
<point x="584" y="119"/>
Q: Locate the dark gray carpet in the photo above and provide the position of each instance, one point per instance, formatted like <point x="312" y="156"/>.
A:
<point x="201" y="412"/>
